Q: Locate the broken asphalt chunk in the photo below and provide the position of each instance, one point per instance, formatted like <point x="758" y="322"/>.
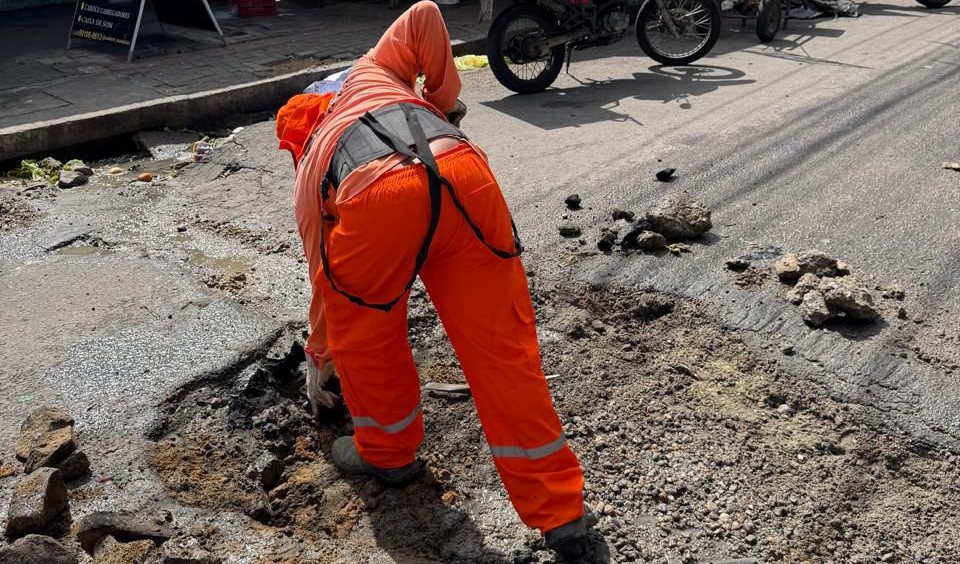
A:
<point x="93" y="527"/>
<point x="37" y="499"/>
<point x="573" y="201"/>
<point x="619" y="213"/>
<point x="666" y="175"/>
<point x="37" y="549"/>
<point x="738" y="264"/>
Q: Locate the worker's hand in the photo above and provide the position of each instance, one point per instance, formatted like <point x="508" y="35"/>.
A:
<point x="457" y="114"/>
<point x="317" y="378"/>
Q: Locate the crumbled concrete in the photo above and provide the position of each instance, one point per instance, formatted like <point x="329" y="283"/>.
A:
<point x="111" y="551"/>
<point x="51" y="448"/>
<point x="40" y="421"/>
<point x="849" y="296"/>
<point x="680" y="216"/>
<point x="805" y="284"/>
<point x="36" y="501"/>
<point x="814" y="309"/>
<point x="93" y="527"/>
<point x="37" y="549"/>
<point x="74" y="466"/>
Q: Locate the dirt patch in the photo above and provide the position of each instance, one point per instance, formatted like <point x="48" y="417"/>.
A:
<point x="693" y="447"/>
<point x="15" y="213"/>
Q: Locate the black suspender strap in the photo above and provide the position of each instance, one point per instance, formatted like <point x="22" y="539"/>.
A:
<point x="435" y="184"/>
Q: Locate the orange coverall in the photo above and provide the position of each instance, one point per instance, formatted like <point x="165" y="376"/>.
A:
<point x="381" y="215"/>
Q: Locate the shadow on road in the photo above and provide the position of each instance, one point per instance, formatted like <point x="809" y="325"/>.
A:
<point x="415" y="525"/>
<point x="596" y="101"/>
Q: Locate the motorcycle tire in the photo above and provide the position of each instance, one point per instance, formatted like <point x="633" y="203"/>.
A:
<point x="769" y="16"/>
<point x="705" y="28"/>
<point x="502" y="54"/>
<point x="934" y="3"/>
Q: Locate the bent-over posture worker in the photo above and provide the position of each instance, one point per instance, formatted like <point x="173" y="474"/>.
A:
<point x="375" y="208"/>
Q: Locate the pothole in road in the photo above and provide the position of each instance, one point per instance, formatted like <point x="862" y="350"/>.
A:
<point x="694" y="448"/>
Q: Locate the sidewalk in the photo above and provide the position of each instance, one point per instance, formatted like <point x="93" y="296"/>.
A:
<point x="51" y="97"/>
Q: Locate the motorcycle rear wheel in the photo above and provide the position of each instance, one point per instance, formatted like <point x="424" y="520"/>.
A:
<point x="698" y="24"/>
<point x="505" y="41"/>
<point x="934" y="3"/>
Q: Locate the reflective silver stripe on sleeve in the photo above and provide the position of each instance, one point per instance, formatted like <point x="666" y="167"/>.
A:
<point x="393" y="428"/>
<point x="529" y="453"/>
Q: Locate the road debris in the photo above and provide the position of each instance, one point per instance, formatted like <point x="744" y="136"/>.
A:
<point x="824" y="289"/>
<point x="115" y="170"/>
<point x="666" y="175"/>
<point x="37" y="499"/>
<point x="145" y="177"/>
<point x="91" y="528"/>
<point x="37" y="549"/>
<point x="569" y="230"/>
<point x="608" y="238"/>
<point x="573" y="201"/>
<point x="626" y="215"/>
<point x="738" y="264"/>
<point x="680" y="216"/>
<point x="952" y="166"/>
<point x="678" y="248"/>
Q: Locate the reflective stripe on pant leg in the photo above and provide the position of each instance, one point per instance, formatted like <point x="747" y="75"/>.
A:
<point x="485" y="306"/>
<point x="392" y="428"/>
<point x="534" y="453"/>
<point x="370" y="348"/>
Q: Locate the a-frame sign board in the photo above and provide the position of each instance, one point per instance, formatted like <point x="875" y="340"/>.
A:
<point x="118" y="21"/>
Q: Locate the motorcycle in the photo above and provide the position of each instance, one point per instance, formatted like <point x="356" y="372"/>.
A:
<point x="528" y="42"/>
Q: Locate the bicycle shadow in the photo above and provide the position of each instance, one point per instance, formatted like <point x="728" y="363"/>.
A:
<point x="598" y="100"/>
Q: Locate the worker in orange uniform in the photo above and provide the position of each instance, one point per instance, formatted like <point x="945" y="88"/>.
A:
<point x="388" y="189"/>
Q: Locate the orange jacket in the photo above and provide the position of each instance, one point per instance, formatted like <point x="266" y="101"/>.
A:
<point x="417" y="43"/>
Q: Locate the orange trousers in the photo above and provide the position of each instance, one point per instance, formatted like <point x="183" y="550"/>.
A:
<point x="484" y="304"/>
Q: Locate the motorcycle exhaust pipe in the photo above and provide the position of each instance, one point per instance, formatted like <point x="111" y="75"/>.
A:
<point x="548" y="44"/>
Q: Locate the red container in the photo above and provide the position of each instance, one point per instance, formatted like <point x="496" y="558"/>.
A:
<point x="248" y="8"/>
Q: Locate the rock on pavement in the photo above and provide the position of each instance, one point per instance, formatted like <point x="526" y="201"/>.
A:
<point x="71" y="179"/>
<point x="850" y="296"/>
<point x="93" y="527"/>
<point x="37" y="549"/>
<point x="680" y="216"/>
<point x="41" y="420"/>
<point x="36" y="500"/>
<point x="792" y="266"/>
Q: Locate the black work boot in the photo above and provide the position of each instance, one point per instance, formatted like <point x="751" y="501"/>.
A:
<point x="570" y="540"/>
<point x="347" y="459"/>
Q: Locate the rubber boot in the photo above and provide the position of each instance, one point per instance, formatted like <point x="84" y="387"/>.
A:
<point x="347" y="459"/>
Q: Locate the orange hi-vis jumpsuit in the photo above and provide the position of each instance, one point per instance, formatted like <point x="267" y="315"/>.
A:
<point x="378" y="223"/>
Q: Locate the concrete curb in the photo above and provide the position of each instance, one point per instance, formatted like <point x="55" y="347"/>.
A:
<point x="188" y="110"/>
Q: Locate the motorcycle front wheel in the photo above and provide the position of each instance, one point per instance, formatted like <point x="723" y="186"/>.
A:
<point x="934" y="3"/>
<point x="509" y="49"/>
<point x="697" y="23"/>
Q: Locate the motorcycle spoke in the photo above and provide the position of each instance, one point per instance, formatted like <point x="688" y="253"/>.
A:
<point x="692" y="21"/>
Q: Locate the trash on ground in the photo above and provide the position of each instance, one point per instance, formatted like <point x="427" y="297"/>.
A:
<point x="573" y="201"/>
<point x="467" y="62"/>
<point x="115" y="170"/>
<point x="200" y="151"/>
<point x="952" y="166"/>
<point x="145" y="177"/>
<point x="445" y="388"/>
<point x="677" y="248"/>
<point x="332" y="83"/>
